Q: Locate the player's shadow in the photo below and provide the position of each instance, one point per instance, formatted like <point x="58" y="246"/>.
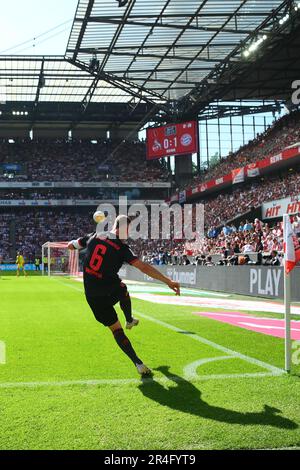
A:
<point x="186" y="397"/>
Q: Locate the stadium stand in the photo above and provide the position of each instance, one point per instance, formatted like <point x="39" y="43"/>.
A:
<point x="32" y="227"/>
<point x="48" y="160"/>
<point x="62" y="160"/>
<point x="56" y="224"/>
<point x="81" y="85"/>
<point x="281" y="134"/>
<point x="79" y="194"/>
<point x="225" y="207"/>
<point x="35" y="226"/>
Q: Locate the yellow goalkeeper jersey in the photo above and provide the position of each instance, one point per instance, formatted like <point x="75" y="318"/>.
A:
<point x="20" y="260"/>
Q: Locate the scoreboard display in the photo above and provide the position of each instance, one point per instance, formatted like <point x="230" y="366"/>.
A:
<point x="173" y="139"/>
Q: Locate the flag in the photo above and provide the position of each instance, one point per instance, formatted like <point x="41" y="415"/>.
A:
<point x="252" y="170"/>
<point x="291" y="246"/>
<point x="238" y="175"/>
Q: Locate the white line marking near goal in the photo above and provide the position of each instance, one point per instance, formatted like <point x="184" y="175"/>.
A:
<point x="274" y="370"/>
<point x="120" y="382"/>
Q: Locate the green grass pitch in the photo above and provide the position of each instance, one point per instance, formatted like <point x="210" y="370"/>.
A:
<point x="66" y="385"/>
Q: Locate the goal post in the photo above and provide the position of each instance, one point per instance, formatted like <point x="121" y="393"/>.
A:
<point x="57" y="260"/>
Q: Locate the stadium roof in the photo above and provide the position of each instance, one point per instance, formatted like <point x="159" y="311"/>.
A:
<point x="21" y="79"/>
<point x="164" y="47"/>
<point x="167" y="56"/>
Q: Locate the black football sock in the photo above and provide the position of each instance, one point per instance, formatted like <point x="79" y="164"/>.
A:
<point x="125" y="304"/>
<point x="126" y="346"/>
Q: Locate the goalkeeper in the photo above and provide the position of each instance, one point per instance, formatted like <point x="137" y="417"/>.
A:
<point x="20" y="262"/>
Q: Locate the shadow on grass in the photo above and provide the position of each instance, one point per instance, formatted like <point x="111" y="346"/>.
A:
<point x="186" y="397"/>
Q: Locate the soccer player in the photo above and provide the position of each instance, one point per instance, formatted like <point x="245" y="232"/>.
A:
<point x="37" y="263"/>
<point x="20" y="262"/>
<point x="105" y="254"/>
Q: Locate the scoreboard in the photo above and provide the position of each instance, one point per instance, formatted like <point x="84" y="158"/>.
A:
<point x="173" y="139"/>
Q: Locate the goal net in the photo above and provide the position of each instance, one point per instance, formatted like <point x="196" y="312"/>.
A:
<point x="57" y="260"/>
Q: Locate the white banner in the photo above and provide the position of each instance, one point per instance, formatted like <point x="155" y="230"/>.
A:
<point x="275" y="209"/>
<point x="219" y="181"/>
<point x="238" y="175"/>
<point x="252" y="170"/>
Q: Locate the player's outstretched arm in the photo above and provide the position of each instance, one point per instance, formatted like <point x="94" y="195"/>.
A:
<point x="74" y="245"/>
<point x="155" y="274"/>
<point x="80" y="243"/>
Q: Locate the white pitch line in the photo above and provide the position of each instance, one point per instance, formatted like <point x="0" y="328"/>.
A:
<point x="190" y="371"/>
<point x="120" y="382"/>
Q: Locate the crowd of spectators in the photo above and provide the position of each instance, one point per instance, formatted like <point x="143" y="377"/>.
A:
<point x="46" y="160"/>
<point x="231" y="244"/>
<point x="5" y="240"/>
<point x="32" y="228"/>
<point x="242" y="199"/>
<point x="248" y="237"/>
<point x="28" y="229"/>
<point x="99" y="194"/>
<point x="220" y="209"/>
<point x="282" y="133"/>
<point x="254" y="246"/>
<point x="49" y="194"/>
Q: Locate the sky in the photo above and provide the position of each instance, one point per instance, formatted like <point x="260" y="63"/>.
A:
<point x="23" y="20"/>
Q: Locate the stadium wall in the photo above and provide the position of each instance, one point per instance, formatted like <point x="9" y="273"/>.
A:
<point x="256" y="281"/>
<point x="13" y="267"/>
